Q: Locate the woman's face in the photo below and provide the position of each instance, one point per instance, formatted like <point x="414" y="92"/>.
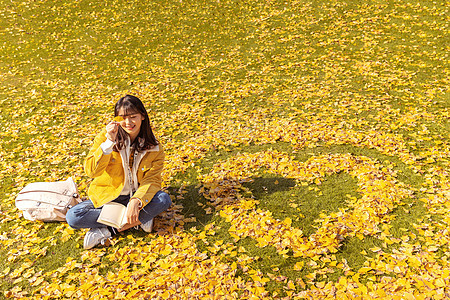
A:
<point x="131" y="123"/>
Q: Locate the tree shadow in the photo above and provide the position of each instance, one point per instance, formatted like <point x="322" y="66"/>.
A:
<point x="261" y="187"/>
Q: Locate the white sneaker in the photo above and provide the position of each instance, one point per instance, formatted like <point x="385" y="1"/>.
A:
<point x="96" y="236"/>
<point x="147" y="226"/>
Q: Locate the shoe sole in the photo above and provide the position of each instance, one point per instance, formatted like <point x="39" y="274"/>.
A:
<point x="105" y="243"/>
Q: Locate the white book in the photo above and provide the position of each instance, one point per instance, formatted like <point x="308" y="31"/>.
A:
<point x="113" y="214"/>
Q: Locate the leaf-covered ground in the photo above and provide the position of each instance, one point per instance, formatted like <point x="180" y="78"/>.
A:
<point x="307" y="146"/>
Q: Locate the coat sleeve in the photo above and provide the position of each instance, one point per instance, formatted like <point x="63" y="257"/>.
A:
<point x="96" y="161"/>
<point x="151" y="181"/>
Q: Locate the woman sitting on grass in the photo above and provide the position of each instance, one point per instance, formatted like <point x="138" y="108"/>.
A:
<point x="126" y="162"/>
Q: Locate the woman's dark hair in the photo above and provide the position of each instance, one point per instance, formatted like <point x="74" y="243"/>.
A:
<point x="145" y="139"/>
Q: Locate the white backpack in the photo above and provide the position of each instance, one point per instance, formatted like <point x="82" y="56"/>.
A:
<point x="47" y="201"/>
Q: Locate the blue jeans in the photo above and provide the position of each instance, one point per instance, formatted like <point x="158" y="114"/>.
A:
<point x="85" y="215"/>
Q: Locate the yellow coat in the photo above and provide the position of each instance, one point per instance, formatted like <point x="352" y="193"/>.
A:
<point x="109" y="174"/>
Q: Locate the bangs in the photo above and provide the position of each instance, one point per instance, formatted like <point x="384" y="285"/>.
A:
<point x="127" y="109"/>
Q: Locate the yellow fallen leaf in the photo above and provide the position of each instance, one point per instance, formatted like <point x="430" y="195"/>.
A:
<point x="299" y="266"/>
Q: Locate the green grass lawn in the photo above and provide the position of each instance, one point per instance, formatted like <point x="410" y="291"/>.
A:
<point x="307" y="146"/>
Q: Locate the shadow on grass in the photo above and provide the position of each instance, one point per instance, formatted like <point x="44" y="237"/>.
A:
<point x="196" y="205"/>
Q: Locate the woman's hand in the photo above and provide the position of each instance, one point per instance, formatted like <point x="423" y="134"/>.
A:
<point x="133" y="210"/>
<point x="111" y="130"/>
